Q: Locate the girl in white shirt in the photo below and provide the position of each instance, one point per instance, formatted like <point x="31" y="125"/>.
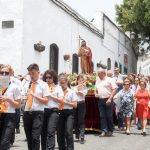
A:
<point x="81" y="91"/>
<point x="51" y="113"/>
<point x="10" y="99"/>
<point x="66" y="118"/>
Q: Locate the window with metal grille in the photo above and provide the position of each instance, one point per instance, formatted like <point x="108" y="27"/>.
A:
<point x="7" y="24"/>
<point x="54" y="57"/>
<point x="75" y="63"/>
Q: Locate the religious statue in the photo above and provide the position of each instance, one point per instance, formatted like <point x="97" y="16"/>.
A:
<point x="85" y="54"/>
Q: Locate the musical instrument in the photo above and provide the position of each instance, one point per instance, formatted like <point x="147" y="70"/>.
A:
<point x="3" y="106"/>
<point x="80" y="86"/>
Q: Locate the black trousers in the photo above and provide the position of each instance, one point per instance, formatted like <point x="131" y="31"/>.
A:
<point x="106" y="115"/>
<point x="65" y="130"/>
<point x="49" y="127"/>
<point x="79" y="122"/>
<point x="33" y="122"/>
<point x="17" y="123"/>
<point x="7" y="127"/>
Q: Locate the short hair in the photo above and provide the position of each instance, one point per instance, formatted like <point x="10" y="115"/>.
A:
<point x="53" y="75"/>
<point x="63" y="76"/>
<point x="33" y="67"/>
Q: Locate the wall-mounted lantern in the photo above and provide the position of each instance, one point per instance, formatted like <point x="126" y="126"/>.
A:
<point x="39" y="47"/>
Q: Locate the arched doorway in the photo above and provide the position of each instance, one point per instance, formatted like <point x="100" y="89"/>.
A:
<point x="75" y="63"/>
<point x="54" y="57"/>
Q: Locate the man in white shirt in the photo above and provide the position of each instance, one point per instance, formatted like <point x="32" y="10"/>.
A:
<point x="105" y="90"/>
<point x="37" y="97"/>
<point x="117" y="75"/>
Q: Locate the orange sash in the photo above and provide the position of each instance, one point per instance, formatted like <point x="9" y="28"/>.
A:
<point x="30" y="97"/>
<point x="61" y="106"/>
<point x="51" y="88"/>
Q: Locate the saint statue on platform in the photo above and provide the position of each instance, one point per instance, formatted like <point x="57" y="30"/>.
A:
<point x="85" y="54"/>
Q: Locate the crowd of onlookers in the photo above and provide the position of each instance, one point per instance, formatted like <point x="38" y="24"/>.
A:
<point x="49" y="104"/>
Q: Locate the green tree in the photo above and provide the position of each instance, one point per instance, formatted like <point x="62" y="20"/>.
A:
<point x="134" y="16"/>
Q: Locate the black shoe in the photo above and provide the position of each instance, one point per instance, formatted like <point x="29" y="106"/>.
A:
<point x="82" y="141"/>
<point x="139" y="128"/>
<point x="144" y="133"/>
<point x="77" y="137"/>
<point x="17" y="131"/>
<point x="11" y="144"/>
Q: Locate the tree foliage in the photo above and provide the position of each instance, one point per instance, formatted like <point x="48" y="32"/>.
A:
<point x="134" y="16"/>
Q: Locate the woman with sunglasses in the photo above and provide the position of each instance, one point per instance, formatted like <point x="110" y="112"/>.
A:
<point x="142" y="97"/>
<point x="81" y="91"/>
<point x="51" y="114"/>
<point x="126" y="104"/>
<point x="66" y="118"/>
<point x="10" y="99"/>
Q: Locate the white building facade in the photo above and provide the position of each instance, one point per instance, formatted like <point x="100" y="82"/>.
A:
<point x="61" y="30"/>
<point x="143" y="66"/>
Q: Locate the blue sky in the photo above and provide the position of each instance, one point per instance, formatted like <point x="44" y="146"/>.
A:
<point x="87" y="8"/>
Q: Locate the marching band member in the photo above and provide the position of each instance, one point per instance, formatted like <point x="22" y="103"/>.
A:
<point x="66" y="118"/>
<point x="10" y="99"/>
<point x="51" y="112"/>
<point x="80" y="111"/>
<point x="37" y="98"/>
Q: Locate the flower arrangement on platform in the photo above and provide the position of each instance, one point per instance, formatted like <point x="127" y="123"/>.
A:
<point x="89" y="79"/>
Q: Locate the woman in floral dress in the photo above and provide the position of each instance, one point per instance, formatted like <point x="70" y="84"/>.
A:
<point x="127" y="104"/>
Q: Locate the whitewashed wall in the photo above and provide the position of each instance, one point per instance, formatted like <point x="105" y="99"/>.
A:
<point x="11" y="39"/>
<point x="116" y="42"/>
<point x="42" y="20"/>
<point x="46" y="22"/>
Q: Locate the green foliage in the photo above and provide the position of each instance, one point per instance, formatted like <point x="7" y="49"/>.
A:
<point x="134" y="16"/>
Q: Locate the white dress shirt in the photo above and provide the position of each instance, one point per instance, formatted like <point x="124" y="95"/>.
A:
<point x="70" y="97"/>
<point x="13" y="92"/>
<point x="41" y="90"/>
<point x="57" y="92"/>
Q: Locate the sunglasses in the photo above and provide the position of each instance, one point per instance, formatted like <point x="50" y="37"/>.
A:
<point x="4" y="73"/>
<point x="126" y="84"/>
<point x="49" y="77"/>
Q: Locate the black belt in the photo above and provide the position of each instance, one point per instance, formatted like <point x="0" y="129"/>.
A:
<point x="51" y="110"/>
<point x="33" y="112"/>
<point x="104" y="99"/>
<point x="81" y="102"/>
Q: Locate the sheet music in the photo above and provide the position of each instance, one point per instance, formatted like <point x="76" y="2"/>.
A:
<point x="4" y="81"/>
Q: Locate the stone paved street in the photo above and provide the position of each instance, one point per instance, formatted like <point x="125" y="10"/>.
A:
<point x="119" y="141"/>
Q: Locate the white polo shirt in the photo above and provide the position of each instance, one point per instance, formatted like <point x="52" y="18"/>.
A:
<point x="105" y="87"/>
<point x="70" y="97"/>
<point x="41" y="90"/>
<point x="57" y="92"/>
<point x="14" y="93"/>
